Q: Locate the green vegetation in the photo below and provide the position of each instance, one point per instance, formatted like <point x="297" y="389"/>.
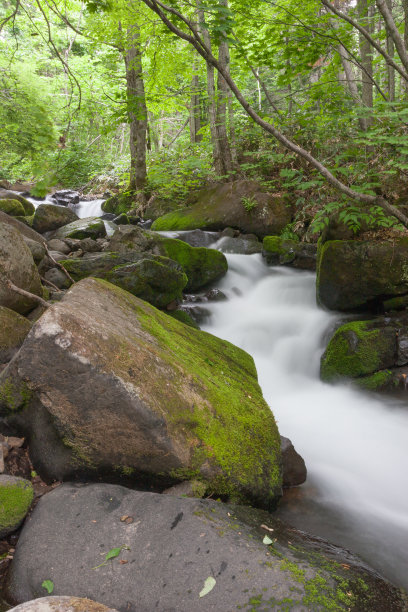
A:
<point x="15" y="501"/>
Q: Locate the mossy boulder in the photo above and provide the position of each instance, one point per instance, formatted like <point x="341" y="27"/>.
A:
<point x="201" y="265"/>
<point x="17" y="266"/>
<point x="242" y="204"/>
<point x="13" y="329"/>
<point x="26" y="231"/>
<point x="354" y="275"/>
<point x="184" y="317"/>
<point x="48" y="217"/>
<point x="118" y="204"/>
<point x="16" y="497"/>
<point x="90" y="227"/>
<point x="12" y="207"/>
<point x="280" y="251"/>
<point x="28" y="207"/>
<point x="373" y="354"/>
<point x="152" y="400"/>
<point x="158" y="280"/>
<point x="359" y="348"/>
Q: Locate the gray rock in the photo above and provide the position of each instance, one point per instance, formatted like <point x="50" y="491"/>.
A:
<point x="13" y="329"/>
<point x="26" y="231"/>
<point x="48" y="217"/>
<point x="58" y="278"/>
<point x="17" y="265"/>
<point x="294" y="468"/>
<point x="198" y="238"/>
<point x="170" y="547"/>
<point x="37" y="249"/>
<point x="90" y="227"/>
<point x="63" y="197"/>
<point x="59" y="245"/>
<point x="107" y="385"/>
<point x="16" y="496"/>
<point x="240" y="245"/>
<point x="61" y="604"/>
<point x="88" y="245"/>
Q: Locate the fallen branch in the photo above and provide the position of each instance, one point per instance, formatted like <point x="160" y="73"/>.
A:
<point x="26" y="294"/>
<point x="47" y="282"/>
<point x="60" y="266"/>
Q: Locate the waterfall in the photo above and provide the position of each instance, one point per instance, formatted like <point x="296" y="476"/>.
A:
<point x="354" y="443"/>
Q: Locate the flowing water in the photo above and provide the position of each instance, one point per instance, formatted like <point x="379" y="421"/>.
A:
<point x="355" y="444"/>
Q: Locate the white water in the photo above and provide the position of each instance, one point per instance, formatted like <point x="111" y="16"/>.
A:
<point x="355" y="445"/>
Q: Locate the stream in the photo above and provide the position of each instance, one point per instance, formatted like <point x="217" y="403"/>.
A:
<point x="354" y="444"/>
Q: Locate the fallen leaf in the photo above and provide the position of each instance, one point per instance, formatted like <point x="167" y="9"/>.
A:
<point x="209" y="584"/>
<point x="267" y="541"/>
<point x="123" y="561"/>
<point x="48" y="585"/>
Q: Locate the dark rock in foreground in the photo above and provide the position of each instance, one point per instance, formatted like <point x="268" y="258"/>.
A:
<point x="183" y="554"/>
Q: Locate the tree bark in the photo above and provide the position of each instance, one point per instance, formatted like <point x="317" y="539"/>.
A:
<point x="398" y="40"/>
<point x="137" y="111"/>
<point x="390" y="69"/>
<point x="366" y="62"/>
<point x="195" y="119"/>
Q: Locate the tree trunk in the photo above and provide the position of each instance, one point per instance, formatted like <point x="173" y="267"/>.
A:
<point x="390" y="69"/>
<point x="366" y="62"/>
<point x="222" y="102"/>
<point x="195" y="121"/>
<point x="137" y="112"/>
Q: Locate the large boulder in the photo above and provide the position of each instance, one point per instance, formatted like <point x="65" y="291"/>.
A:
<point x="12" y="207"/>
<point x="158" y="280"/>
<point x="240" y="204"/>
<point x="16" y="497"/>
<point x="13" y="330"/>
<point x="354" y="275"/>
<point x="26" y="231"/>
<point x="18" y="267"/>
<point x="177" y="554"/>
<point x="371" y="353"/>
<point x="201" y="265"/>
<point x="48" y="217"/>
<point x="90" y="227"/>
<point x="283" y="252"/>
<point x="105" y="384"/>
<point x="28" y="206"/>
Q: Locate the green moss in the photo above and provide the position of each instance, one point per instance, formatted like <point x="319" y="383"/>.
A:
<point x="14" y="397"/>
<point x="357" y="349"/>
<point x="273" y="244"/>
<point x="12" y="207"/>
<point x="396" y="303"/>
<point x="184" y="317"/>
<point x="13" y="329"/>
<point x="183" y="219"/>
<point x="119" y="204"/>
<point x="15" y="501"/>
<point x="379" y="381"/>
<point x="201" y="265"/>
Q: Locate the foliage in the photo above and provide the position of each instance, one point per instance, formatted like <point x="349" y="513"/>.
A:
<point x="249" y="203"/>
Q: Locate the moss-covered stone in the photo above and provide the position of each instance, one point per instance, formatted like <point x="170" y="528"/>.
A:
<point x="184" y="317"/>
<point x="357" y="349"/>
<point x="13" y="329"/>
<point x="28" y="207"/>
<point x="118" y="204"/>
<point x="158" y="280"/>
<point x="384" y="380"/>
<point x="155" y="395"/>
<point x="16" y="496"/>
<point x="90" y="227"/>
<point x="12" y="207"/>
<point x="354" y="275"/>
<point x="281" y="251"/>
<point x="48" y="217"/>
<point x="222" y="206"/>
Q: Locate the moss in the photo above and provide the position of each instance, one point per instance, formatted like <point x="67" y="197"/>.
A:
<point x="15" y="501"/>
<point x="13" y="396"/>
<point x="13" y="208"/>
<point x="84" y="228"/>
<point x="13" y="329"/>
<point x="119" y="204"/>
<point x="184" y="317"/>
<point x="27" y="220"/>
<point x="396" y="303"/>
<point x="225" y="428"/>
<point x="201" y="265"/>
<point x="183" y="219"/>
<point x="357" y="349"/>
<point x="384" y="379"/>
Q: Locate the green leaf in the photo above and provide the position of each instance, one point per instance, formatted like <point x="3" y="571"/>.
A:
<point x="209" y="584"/>
<point x="267" y="541"/>
<point x="48" y="585"/>
<point x="115" y="552"/>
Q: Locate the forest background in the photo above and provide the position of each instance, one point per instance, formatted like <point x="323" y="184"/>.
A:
<point x="136" y="95"/>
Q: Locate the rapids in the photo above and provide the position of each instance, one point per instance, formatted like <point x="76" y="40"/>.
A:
<point x="355" y="445"/>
